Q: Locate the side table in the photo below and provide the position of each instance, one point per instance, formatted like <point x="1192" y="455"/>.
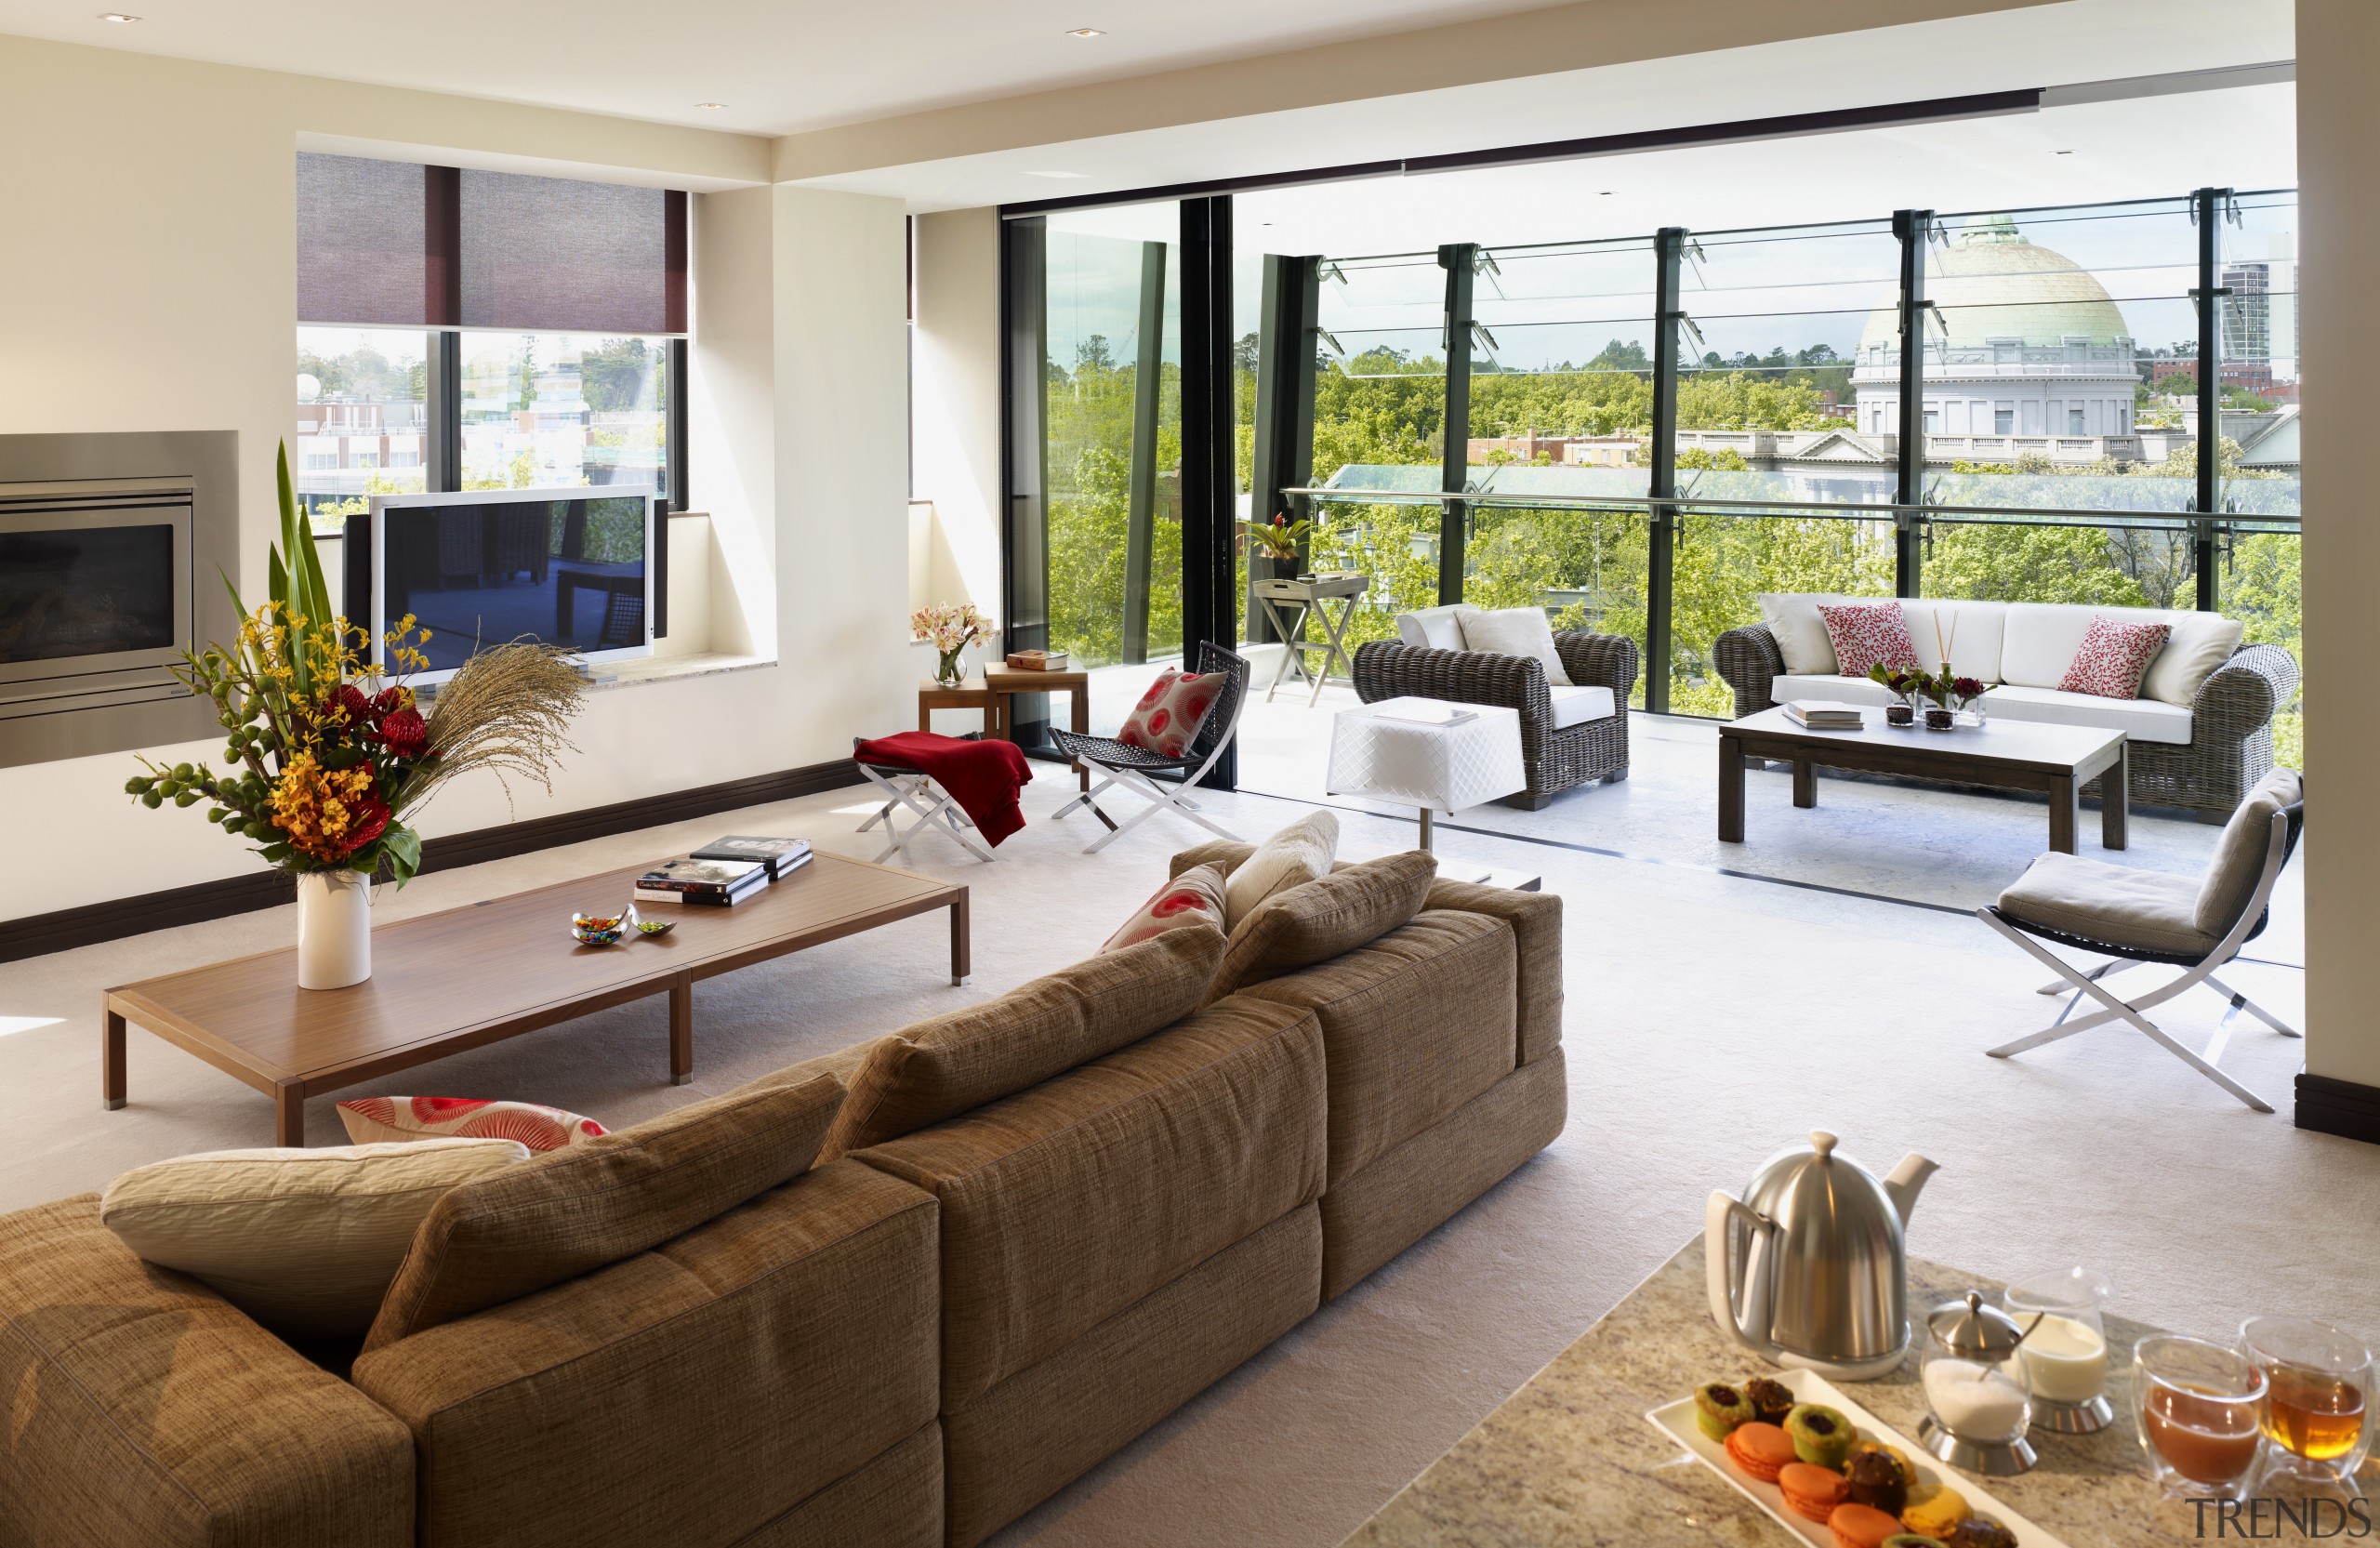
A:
<point x="1305" y="599"/>
<point x="994" y="693"/>
<point x="1378" y="751"/>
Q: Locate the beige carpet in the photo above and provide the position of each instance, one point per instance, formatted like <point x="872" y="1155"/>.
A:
<point x="1711" y="1020"/>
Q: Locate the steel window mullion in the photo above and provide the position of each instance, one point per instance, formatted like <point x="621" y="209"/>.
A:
<point x="2206" y="208"/>
<point x="1660" y="559"/>
<point x="1454" y="453"/>
<point x="1914" y="228"/>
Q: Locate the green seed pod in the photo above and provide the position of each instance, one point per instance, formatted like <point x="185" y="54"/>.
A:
<point x="183" y="771"/>
<point x="135" y="786"/>
<point x="216" y="814"/>
<point x="153" y="800"/>
<point x="188" y="797"/>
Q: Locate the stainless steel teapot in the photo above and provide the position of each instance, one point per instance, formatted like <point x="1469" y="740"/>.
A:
<point x="1809" y="1268"/>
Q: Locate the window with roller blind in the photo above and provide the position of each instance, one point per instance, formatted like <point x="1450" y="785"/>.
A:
<point x="464" y="329"/>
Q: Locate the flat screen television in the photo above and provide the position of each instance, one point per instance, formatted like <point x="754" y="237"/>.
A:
<point x="570" y="567"/>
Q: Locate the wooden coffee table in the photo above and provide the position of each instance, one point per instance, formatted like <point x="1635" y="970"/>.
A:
<point x="2057" y="760"/>
<point x="470" y="976"/>
<point x="1570" y="1458"/>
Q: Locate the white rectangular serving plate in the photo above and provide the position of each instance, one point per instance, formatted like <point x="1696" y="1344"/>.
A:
<point x="1676" y="1421"/>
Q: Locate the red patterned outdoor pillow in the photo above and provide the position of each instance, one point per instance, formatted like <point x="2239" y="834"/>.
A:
<point x="1869" y="634"/>
<point x="2113" y="659"/>
<point x="1196" y="897"/>
<point x="1171" y="711"/>
<point x="375" y="1120"/>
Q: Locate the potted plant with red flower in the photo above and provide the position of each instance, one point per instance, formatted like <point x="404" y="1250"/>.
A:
<point x="1279" y="542"/>
<point x="326" y="753"/>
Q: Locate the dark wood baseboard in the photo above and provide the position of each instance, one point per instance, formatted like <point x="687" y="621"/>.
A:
<point x="2342" y="1107"/>
<point x="114" y="920"/>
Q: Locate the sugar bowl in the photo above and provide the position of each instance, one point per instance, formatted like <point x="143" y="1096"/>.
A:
<point x="1978" y="1402"/>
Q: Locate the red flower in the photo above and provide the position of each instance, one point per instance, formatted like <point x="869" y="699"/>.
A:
<point x="405" y="732"/>
<point x="387" y="702"/>
<point x="1966" y="687"/>
<point x="372" y="817"/>
<point x="350" y="705"/>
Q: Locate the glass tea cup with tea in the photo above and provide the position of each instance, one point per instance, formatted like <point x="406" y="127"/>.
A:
<point x="2200" y="1407"/>
<point x="2319" y="1390"/>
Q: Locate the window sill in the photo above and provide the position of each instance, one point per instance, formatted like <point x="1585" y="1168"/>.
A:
<point x="638" y="671"/>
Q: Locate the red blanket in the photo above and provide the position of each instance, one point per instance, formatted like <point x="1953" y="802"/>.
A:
<point x="983" y="778"/>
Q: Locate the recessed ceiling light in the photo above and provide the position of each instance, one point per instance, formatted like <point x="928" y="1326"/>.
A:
<point x="1086" y="31"/>
<point x="1604" y="194"/>
<point x="2063" y="152"/>
<point x="711" y="107"/>
<point x="118" y="18"/>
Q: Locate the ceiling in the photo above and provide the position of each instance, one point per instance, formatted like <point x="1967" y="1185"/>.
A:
<point x="780" y="66"/>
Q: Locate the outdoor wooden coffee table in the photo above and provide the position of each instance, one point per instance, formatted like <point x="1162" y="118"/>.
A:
<point x="2057" y="760"/>
<point x="470" y="976"/>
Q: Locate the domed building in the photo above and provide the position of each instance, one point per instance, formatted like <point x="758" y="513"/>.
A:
<point x="2035" y="344"/>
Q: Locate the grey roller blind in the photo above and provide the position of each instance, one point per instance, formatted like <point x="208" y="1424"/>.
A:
<point x="362" y="241"/>
<point x="554" y="254"/>
<point x="392" y="243"/>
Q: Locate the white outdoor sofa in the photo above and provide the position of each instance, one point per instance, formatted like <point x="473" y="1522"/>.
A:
<point x="2201" y="732"/>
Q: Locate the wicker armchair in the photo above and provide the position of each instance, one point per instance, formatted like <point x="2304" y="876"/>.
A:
<point x="2230" y="745"/>
<point x="1555" y="761"/>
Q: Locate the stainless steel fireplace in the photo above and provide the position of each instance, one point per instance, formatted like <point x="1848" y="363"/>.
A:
<point x="110" y="547"/>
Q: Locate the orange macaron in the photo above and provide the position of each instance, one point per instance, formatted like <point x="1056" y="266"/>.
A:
<point x="1760" y="1449"/>
<point x="1858" y="1526"/>
<point x="1811" y="1490"/>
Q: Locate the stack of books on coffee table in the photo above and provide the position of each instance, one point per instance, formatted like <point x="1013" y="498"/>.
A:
<point x="1824" y="715"/>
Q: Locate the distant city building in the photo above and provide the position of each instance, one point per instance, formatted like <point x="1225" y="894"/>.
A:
<point x="2028" y="344"/>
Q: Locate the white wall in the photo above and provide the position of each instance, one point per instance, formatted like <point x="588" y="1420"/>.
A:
<point x="957" y="398"/>
<point x="148" y="282"/>
<point x="2338" y="135"/>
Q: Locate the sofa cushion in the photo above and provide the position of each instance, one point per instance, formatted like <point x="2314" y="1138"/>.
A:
<point x="2120" y="905"/>
<point x="1844" y="690"/>
<point x="1535" y="920"/>
<point x="2238" y="861"/>
<point x="1973" y="631"/>
<point x="686" y="1395"/>
<point x="2200" y="643"/>
<point x="1867" y="635"/>
<point x="2113" y="657"/>
<point x="1192" y="901"/>
<point x="1064" y="1204"/>
<point x="1295" y="855"/>
<point x="2042" y="640"/>
<point x="2142" y="719"/>
<point x="1792" y="617"/>
<point x="571" y="1211"/>
<point x="1516" y="631"/>
<point x="305" y="1242"/>
<point x="1577" y="706"/>
<point x="1414" y="1024"/>
<point x="1325" y="918"/>
<point x="954" y="1063"/>
<point x="1437" y="629"/>
<point x="402" y="1120"/>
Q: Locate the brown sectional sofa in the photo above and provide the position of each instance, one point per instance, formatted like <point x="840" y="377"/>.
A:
<point x="909" y="1343"/>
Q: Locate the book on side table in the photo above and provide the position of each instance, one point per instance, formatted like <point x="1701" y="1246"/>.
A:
<point x="779" y="855"/>
<point x="1824" y="715"/>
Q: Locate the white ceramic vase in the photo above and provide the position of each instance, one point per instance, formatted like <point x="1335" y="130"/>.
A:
<point x="334" y="929"/>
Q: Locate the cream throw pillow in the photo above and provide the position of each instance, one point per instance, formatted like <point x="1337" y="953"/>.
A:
<point x="1801" y="639"/>
<point x="304" y="1241"/>
<point x="1516" y="631"/>
<point x="1299" y="853"/>
<point x="2199" y="644"/>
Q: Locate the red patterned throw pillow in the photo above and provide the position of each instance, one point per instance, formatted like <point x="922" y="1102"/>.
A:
<point x="1196" y="897"/>
<point x="375" y="1120"/>
<point x="2113" y="659"/>
<point x="1171" y="712"/>
<point x="1867" y="635"/>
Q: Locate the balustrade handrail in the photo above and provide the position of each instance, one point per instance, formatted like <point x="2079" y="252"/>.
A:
<point x="1844" y="509"/>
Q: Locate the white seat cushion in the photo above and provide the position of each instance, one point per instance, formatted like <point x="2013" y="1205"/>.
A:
<point x="1515" y="631"/>
<point x="1802" y="640"/>
<point x="1827" y="685"/>
<point x="2142" y="719"/>
<point x="1437" y="629"/>
<point x="1577" y="706"/>
<point x="1972" y="630"/>
<point x="2150" y="910"/>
